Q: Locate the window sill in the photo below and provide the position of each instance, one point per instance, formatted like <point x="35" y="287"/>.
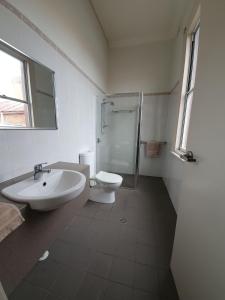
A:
<point x="177" y="155"/>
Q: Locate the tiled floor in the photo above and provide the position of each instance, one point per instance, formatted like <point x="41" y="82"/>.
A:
<point x="111" y="252"/>
<point x="128" y="180"/>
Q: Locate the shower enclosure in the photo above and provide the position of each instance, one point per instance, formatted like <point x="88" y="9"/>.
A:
<point x="118" y="135"/>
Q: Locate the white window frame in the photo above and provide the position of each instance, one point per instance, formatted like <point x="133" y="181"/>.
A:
<point x="184" y="113"/>
<point x="25" y="60"/>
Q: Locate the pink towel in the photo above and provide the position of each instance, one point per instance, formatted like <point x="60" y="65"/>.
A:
<point x="152" y="149"/>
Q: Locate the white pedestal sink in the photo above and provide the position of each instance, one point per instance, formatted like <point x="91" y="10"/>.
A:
<point x="50" y="191"/>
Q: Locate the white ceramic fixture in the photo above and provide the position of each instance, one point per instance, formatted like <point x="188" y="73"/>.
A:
<point x="107" y="184"/>
<point x="50" y="191"/>
<point x="104" y="184"/>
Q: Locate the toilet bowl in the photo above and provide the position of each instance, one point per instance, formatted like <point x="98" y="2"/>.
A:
<point x="106" y="185"/>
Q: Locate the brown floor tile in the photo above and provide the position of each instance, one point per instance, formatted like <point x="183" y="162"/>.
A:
<point x="100" y="264"/>
<point x="122" y="271"/>
<point x="146" y="279"/>
<point x="115" y="291"/>
<point x="97" y="256"/>
<point x="27" y="291"/>
<point x="92" y="288"/>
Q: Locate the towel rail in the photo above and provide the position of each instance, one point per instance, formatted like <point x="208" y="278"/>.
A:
<point x="123" y="110"/>
<point x="145" y="142"/>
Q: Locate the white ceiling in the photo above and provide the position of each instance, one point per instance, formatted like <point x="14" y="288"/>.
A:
<point x="129" y="22"/>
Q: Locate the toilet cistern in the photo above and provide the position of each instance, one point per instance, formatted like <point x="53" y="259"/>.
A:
<point x="38" y="170"/>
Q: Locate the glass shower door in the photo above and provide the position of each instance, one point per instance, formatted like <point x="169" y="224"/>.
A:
<point x="118" y="136"/>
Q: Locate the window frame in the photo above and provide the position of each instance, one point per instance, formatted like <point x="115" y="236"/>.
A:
<point x="25" y="61"/>
<point x="187" y="88"/>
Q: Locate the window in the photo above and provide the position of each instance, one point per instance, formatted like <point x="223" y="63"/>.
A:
<point x="14" y="96"/>
<point x="27" y="91"/>
<point x="188" y="88"/>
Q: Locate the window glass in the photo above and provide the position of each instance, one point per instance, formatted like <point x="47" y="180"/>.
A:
<point x="189" y="83"/>
<point x="13" y="113"/>
<point x="27" y="91"/>
<point x="12" y="84"/>
<point x="195" y="57"/>
<point x="186" y="121"/>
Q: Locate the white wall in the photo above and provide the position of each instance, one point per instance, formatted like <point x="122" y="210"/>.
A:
<point x="172" y="167"/>
<point x="76" y="44"/>
<point x="21" y="149"/>
<point x="72" y="25"/>
<point x="140" y="68"/>
<point x="198" y="263"/>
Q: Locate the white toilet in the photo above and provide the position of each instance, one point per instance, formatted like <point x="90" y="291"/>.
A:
<point x="104" y="184"/>
<point x="105" y="188"/>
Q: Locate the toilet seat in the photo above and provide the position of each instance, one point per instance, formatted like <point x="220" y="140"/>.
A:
<point x="106" y="177"/>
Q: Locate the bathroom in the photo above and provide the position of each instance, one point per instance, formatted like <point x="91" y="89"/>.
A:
<point x="121" y="77"/>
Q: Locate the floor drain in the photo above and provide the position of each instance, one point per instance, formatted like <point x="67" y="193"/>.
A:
<point x="123" y="220"/>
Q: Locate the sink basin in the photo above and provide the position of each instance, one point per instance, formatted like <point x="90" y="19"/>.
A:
<point x="49" y="192"/>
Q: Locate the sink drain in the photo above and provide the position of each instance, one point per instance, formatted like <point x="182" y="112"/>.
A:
<point x="123" y="220"/>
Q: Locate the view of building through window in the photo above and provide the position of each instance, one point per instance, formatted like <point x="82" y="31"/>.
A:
<point x="13" y="113"/>
<point x="13" y="102"/>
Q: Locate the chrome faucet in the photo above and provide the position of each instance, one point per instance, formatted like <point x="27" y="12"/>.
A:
<point x="38" y="171"/>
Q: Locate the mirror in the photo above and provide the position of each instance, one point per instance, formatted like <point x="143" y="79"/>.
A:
<point x="27" y="92"/>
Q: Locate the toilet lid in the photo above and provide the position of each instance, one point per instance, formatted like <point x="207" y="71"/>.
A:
<point x="108" y="177"/>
